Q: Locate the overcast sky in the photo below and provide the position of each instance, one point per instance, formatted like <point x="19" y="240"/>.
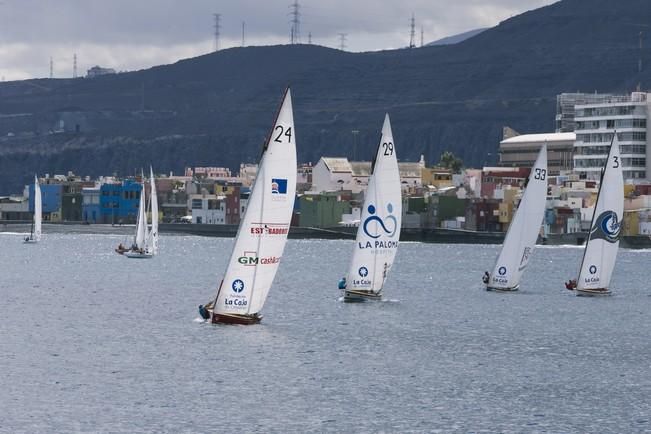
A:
<point x="135" y="34"/>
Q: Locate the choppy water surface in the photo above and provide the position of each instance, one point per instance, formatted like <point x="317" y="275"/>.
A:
<point x="92" y="341"/>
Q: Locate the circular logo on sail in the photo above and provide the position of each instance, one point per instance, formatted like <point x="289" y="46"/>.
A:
<point x="502" y="271"/>
<point x="592" y="269"/>
<point x="606" y="227"/>
<point x="238" y="286"/>
<point x="387" y="227"/>
<point x="363" y="271"/>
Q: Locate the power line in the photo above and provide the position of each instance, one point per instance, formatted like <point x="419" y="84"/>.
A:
<point x="217" y="28"/>
<point x="295" y="33"/>
<point x="342" y="41"/>
<point x="412" y="33"/>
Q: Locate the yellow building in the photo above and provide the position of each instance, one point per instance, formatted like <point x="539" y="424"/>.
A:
<point x="438" y="177"/>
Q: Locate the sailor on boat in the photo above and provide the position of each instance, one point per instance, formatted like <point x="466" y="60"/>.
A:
<point x="486" y="277"/>
<point x="342" y="283"/>
<point x="571" y="284"/>
<point x="204" y="310"/>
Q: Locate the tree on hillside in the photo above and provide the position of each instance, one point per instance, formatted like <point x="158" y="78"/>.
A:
<point x="449" y="161"/>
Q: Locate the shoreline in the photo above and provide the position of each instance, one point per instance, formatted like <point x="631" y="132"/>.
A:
<point x="432" y="235"/>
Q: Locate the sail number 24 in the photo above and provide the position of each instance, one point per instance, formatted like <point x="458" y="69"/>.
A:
<point x="540" y="174"/>
<point x="283" y="132"/>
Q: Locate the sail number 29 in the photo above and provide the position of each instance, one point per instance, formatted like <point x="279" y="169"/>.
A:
<point x="283" y="132"/>
<point x="540" y="174"/>
<point x="388" y="148"/>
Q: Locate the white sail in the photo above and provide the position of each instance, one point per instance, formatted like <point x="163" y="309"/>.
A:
<point x="603" y="240"/>
<point x="141" y="224"/>
<point x="379" y="229"/>
<point x="523" y="232"/>
<point x="38" y="210"/>
<point x="153" y="235"/>
<point x="264" y="227"/>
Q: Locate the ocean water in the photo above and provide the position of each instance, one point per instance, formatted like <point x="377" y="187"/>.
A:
<point x="94" y="342"/>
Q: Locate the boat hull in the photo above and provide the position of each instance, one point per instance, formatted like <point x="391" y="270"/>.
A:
<point x="138" y="255"/>
<point x="512" y="289"/>
<point x="598" y="292"/>
<point x="31" y="241"/>
<point x="220" y="318"/>
<point x="352" y="296"/>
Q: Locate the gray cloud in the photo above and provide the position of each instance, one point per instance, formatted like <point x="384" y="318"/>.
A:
<point x="133" y="34"/>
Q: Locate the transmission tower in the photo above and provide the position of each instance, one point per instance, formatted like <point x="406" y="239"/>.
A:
<point x="74" y="65"/>
<point x="342" y="41"/>
<point x="243" y="30"/>
<point x="217" y="29"/>
<point x="295" y="33"/>
<point x="51" y="67"/>
<point x="412" y="33"/>
<point x="309" y="38"/>
<point x="421" y="37"/>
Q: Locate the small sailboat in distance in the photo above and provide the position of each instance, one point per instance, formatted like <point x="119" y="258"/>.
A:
<point x="523" y="231"/>
<point x="378" y="234"/>
<point x="37" y="219"/>
<point x="139" y="249"/>
<point x="601" y="248"/>
<point x="263" y="230"/>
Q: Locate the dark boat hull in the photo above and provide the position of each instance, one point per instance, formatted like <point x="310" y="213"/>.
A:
<point x="352" y="296"/>
<point x="218" y="318"/>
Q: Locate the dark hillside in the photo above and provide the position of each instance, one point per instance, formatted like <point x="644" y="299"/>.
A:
<point x="217" y="108"/>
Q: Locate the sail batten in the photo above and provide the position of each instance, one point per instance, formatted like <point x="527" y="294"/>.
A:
<point x="520" y="239"/>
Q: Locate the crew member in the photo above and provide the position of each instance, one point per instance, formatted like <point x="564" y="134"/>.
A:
<point x="486" y="277"/>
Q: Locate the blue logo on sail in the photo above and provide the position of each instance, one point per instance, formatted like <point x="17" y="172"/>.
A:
<point x="363" y="271"/>
<point x="606" y="227"/>
<point x="238" y="286"/>
<point x="278" y="186"/>
<point x="502" y="271"/>
<point x="387" y="227"/>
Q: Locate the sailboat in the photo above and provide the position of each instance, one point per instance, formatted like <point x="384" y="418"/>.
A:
<point x="378" y="234"/>
<point x="601" y="247"/>
<point x="523" y="232"/>
<point x="152" y="241"/>
<point x="35" y="231"/>
<point x="263" y="230"/>
<point x="139" y="249"/>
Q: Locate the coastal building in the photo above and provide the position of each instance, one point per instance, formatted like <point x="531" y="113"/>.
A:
<point x="324" y="210"/>
<point x="14" y="208"/>
<point x="119" y="201"/>
<point x="595" y="126"/>
<point x="332" y="174"/>
<point x="566" y="108"/>
<point x="208" y="209"/>
<point x="522" y="150"/>
<point x="208" y="172"/>
<point x="51" y="200"/>
<point x="91" y="209"/>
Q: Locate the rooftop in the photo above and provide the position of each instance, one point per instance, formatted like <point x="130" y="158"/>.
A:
<point x="545" y="137"/>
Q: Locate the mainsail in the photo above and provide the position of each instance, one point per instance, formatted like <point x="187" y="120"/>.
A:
<point x="603" y="240"/>
<point x="38" y="211"/>
<point x="141" y="224"/>
<point x="523" y="232"/>
<point x="263" y="229"/>
<point x="379" y="229"/>
<point x="153" y="235"/>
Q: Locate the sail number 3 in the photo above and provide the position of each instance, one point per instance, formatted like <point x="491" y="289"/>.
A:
<point x="283" y="132"/>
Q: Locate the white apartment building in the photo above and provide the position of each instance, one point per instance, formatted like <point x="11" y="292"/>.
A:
<point x="208" y="209"/>
<point x="595" y="126"/>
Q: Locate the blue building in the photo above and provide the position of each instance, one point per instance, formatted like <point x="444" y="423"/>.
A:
<point x="91" y="211"/>
<point x="51" y="201"/>
<point x="119" y="202"/>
